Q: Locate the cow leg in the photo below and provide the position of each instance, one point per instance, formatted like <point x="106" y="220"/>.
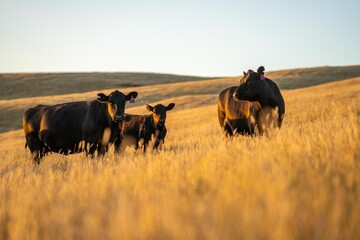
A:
<point x="92" y="150"/>
<point x="121" y="149"/>
<point x="35" y="146"/>
<point x="221" y="117"/>
<point x="160" y="139"/>
<point x="251" y="127"/>
<point x="117" y="143"/>
<point x="146" y="142"/>
<point x="227" y="129"/>
<point x="157" y="143"/>
<point x="101" y="150"/>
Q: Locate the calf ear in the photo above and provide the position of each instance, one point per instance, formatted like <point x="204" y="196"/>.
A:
<point x="150" y="108"/>
<point x="170" y="106"/>
<point x="102" y="97"/>
<point x="131" y="95"/>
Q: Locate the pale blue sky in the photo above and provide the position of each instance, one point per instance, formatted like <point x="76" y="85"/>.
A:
<point x="208" y="38"/>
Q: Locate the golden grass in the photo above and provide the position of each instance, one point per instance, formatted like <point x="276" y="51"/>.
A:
<point x="302" y="182"/>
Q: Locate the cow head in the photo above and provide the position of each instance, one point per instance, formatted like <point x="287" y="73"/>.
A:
<point x="250" y="85"/>
<point x="116" y="103"/>
<point x="159" y="112"/>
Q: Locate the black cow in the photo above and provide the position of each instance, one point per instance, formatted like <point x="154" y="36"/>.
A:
<point x="76" y="126"/>
<point x="245" y="108"/>
<point x="254" y="86"/>
<point x="142" y="128"/>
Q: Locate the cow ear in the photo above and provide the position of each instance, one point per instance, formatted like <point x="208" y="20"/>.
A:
<point x="261" y="70"/>
<point x="244" y="73"/>
<point x="102" y="97"/>
<point x="170" y="106"/>
<point x="131" y="95"/>
<point x="150" y="108"/>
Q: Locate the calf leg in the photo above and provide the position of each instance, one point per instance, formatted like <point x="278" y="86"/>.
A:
<point x="160" y="139"/>
<point x="146" y="143"/>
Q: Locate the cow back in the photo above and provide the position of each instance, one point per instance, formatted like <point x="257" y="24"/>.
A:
<point x="60" y="126"/>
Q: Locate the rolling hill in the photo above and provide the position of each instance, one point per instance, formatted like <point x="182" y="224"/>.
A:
<point x="24" y="85"/>
<point x="19" y="93"/>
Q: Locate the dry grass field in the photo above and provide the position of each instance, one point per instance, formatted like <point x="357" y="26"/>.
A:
<point x="302" y="182"/>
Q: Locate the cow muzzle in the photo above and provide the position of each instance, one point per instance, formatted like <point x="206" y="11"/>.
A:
<point x="119" y="118"/>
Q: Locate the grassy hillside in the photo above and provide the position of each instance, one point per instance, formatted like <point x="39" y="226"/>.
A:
<point x="301" y="182"/>
<point x="307" y="77"/>
<point x="24" y="85"/>
<point x="13" y="86"/>
<point x="12" y="110"/>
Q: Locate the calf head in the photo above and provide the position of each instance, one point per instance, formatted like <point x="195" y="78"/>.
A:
<point x="250" y="85"/>
<point x="116" y="103"/>
<point x="159" y="112"/>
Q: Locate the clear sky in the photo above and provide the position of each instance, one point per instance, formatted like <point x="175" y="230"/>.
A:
<point x="206" y="38"/>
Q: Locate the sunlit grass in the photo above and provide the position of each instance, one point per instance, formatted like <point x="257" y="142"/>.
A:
<point x="302" y="182"/>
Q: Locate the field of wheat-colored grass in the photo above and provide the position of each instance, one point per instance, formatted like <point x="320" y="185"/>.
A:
<point x="302" y="182"/>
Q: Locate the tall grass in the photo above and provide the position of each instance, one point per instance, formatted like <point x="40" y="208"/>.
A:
<point x="302" y="182"/>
